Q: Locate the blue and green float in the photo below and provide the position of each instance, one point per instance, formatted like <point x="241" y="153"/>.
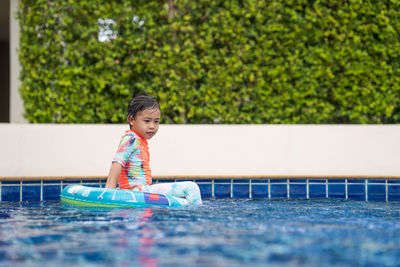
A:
<point x="80" y="195"/>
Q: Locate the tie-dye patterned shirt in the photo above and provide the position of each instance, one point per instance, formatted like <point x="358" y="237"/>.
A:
<point x="133" y="155"/>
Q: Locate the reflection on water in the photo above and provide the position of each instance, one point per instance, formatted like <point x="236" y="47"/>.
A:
<point x="146" y="241"/>
<point x="219" y="233"/>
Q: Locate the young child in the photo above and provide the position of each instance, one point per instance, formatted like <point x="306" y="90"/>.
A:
<point x="130" y="167"/>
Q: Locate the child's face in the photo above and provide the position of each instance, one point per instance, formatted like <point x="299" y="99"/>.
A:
<point x="146" y="122"/>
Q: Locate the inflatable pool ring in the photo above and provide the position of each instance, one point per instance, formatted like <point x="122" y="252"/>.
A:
<point x="87" y="196"/>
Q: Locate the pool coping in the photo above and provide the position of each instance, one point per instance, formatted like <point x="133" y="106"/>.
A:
<point x="203" y="177"/>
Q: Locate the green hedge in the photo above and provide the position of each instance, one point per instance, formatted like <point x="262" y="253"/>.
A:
<point x="332" y="61"/>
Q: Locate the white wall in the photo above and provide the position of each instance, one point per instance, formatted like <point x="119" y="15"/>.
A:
<point x="202" y="150"/>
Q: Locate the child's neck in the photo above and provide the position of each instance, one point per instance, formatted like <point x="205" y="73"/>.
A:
<point x="137" y="133"/>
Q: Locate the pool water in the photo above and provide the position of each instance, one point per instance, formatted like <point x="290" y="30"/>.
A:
<point x="222" y="232"/>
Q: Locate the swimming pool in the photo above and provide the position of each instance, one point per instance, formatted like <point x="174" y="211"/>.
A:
<point x="222" y="232"/>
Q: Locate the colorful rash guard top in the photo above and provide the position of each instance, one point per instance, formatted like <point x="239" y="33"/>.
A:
<point x="133" y="155"/>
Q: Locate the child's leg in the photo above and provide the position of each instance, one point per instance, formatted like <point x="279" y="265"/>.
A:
<point x="188" y="190"/>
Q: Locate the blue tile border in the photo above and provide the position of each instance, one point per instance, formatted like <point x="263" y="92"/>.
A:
<point x="222" y="190"/>
<point x="202" y="181"/>
<point x="278" y="190"/>
<point x="11" y="182"/>
<point x="53" y="182"/>
<point x="259" y="181"/>
<point x="298" y="181"/>
<point x="358" y="189"/>
<point x="259" y="191"/>
<point x="51" y="192"/>
<point x="376" y="181"/>
<point x="241" y="190"/>
<point x="393" y="193"/>
<point x="222" y="181"/>
<point x="336" y="181"/>
<point x="355" y="181"/>
<point x="376" y="192"/>
<point x="11" y="193"/>
<point x="32" y="182"/>
<point x="336" y="190"/>
<point x="319" y="181"/>
<point x="31" y="193"/>
<point x="317" y="191"/>
<point x="206" y="190"/>
<point x="241" y="181"/>
<point x="298" y="191"/>
<point x="278" y="181"/>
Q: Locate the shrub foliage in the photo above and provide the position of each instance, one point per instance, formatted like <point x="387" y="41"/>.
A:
<point x="212" y="61"/>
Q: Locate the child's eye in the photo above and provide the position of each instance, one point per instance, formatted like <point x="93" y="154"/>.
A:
<point x="147" y="120"/>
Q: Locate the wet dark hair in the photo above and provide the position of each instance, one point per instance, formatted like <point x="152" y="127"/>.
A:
<point x="140" y="102"/>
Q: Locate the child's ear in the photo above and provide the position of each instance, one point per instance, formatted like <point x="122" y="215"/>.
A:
<point x="129" y="119"/>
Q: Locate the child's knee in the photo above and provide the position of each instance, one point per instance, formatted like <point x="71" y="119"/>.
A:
<point x="192" y="185"/>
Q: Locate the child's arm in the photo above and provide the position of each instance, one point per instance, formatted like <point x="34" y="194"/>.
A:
<point x="113" y="176"/>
